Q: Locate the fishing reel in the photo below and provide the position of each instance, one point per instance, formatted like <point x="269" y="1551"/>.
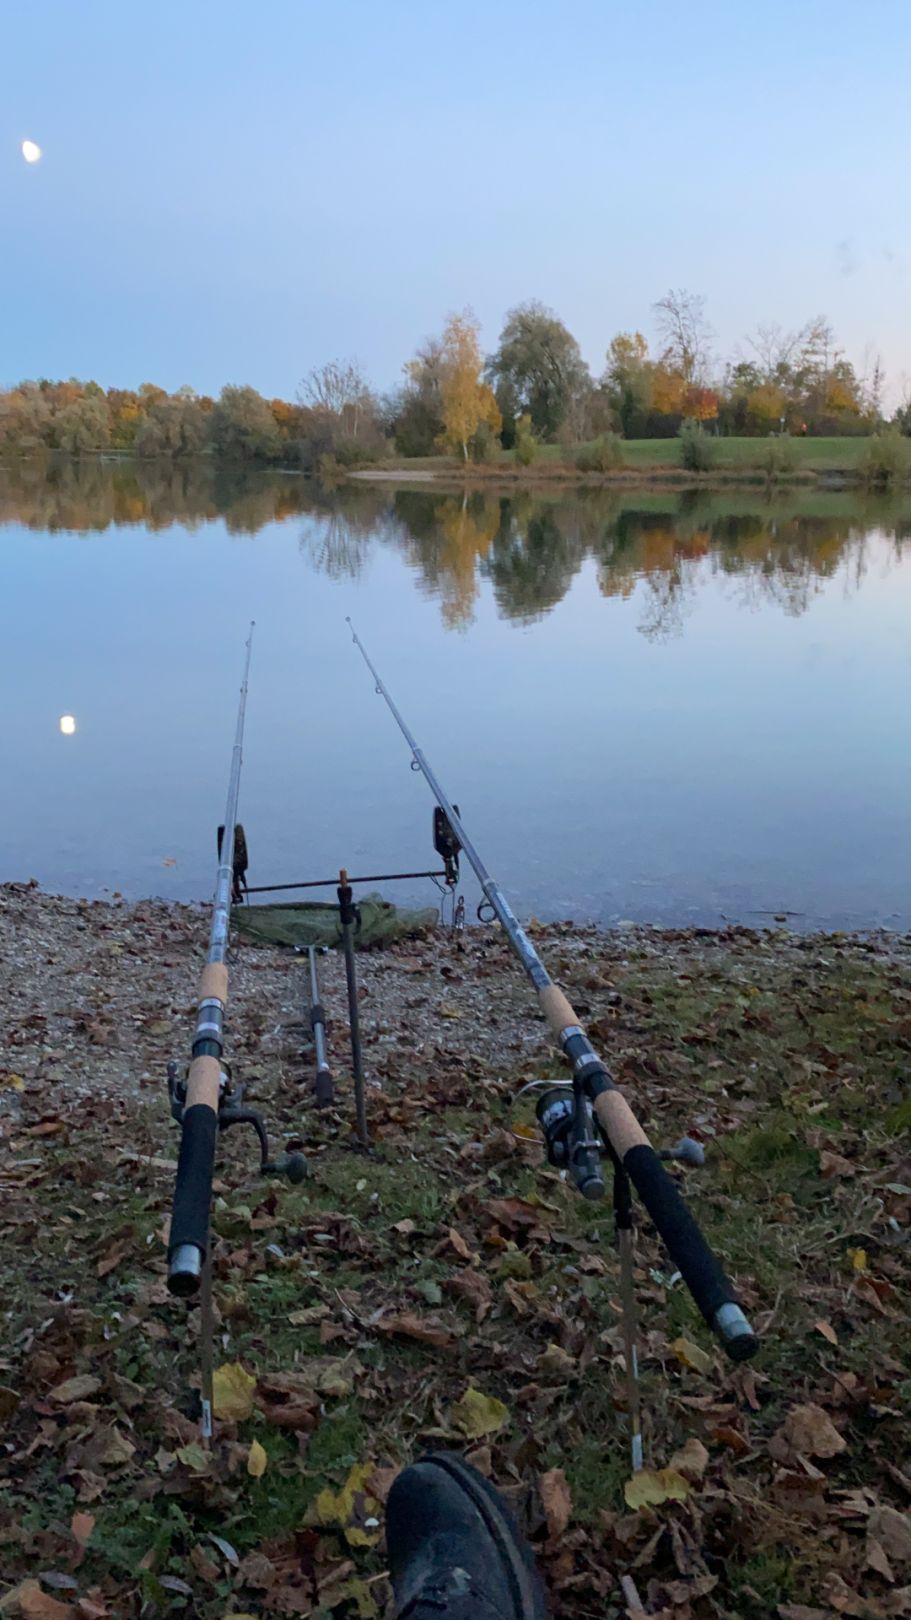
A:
<point x="240" y="863"/>
<point x="446" y="844"/>
<point x="231" y="1111"/>
<point x="574" y="1140"/>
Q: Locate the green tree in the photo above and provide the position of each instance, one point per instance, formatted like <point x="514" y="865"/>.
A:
<point x="83" y="426"/>
<point x="243" y="426"/>
<point x="173" y="427"/>
<point x="628" y="381"/>
<point x="537" y="368"/>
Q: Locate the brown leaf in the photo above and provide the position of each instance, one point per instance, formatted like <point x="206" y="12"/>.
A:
<point x="556" y="1500"/>
<point x="473" y="1287"/>
<point x="81" y="1527"/>
<point x="35" y="1604"/>
<point x="691" y="1460"/>
<point x="833" y="1164"/>
<point x="557" y="1362"/>
<point x="810" y="1431"/>
<point x="515" y="1214"/>
<point x="893" y="1532"/>
<point x="75" y="1389"/>
<point x="459" y="1244"/>
<point x="827" y="1331"/>
<point x="876" y="1559"/>
<point x="426" y="1329"/>
<point x="258" y="1571"/>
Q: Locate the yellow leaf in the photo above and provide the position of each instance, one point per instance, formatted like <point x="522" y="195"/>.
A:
<point x="858" y="1258"/>
<point x="527" y="1132"/>
<point x="232" y="1390"/>
<point x="692" y="1356"/>
<point x="649" y="1487"/>
<point x="12" y="1082"/>
<point x="476" y="1414"/>
<point x="352" y="1510"/>
<point x="257" y="1460"/>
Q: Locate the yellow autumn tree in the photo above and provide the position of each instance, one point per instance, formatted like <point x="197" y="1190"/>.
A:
<point x="467" y="402"/>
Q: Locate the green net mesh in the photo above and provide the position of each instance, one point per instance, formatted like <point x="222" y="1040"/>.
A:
<point x="315" y="922"/>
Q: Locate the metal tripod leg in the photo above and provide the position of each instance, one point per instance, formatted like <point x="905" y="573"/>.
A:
<point x="206" y="1350"/>
<point x="347" y="917"/>
<point x="623" y="1220"/>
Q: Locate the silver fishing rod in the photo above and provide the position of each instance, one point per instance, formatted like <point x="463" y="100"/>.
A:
<point x="567" y="1121"/>
<point x="189" y="1239"/>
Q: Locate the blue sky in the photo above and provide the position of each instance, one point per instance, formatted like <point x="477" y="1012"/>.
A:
<point x="234" y="192"/>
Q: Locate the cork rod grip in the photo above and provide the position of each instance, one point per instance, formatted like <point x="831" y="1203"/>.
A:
<point x="213" y="981"/>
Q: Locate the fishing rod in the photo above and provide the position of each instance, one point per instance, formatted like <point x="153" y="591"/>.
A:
<point x="567" y="1120"/>
<point x="206" y="1101"/>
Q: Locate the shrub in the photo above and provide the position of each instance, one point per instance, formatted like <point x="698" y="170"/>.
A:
<point x="483" y="444"/>
<point x="778" y="456"/>
<point x="602" y="455"/>
<point x="698" y="452"/>
<point x="886" y="459"/>
<point x="526" y="444"/>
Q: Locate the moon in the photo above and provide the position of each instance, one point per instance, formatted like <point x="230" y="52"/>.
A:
<point x="31" y="151"/>
<point x="67" y="724"/>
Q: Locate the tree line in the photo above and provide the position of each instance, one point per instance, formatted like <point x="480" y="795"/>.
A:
<point x="534" y="389"/>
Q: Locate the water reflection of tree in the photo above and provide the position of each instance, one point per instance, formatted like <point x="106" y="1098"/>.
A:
<point x="91" y="494"/>
<point x="446" y="538"/>
<point x="529" y="546"/>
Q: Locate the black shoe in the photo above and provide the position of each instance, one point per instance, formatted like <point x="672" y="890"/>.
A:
<point x="455" y="1551"/>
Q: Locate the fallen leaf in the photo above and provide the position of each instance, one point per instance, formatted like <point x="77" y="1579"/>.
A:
<point x="827" y="1331"/>
<point x="477" y="1414"/>
<point x="691" y="1460"/>
<point x="557" y="1362"/>
<point x="858" y="1259"/>
<point x="876" y="1559"/>
<point x="225" y="1548"/>
<point x="232" y="1390"/>
<point x="556" y="1500"/>
<point x="9" y="1400"/>
<point x="459" y="1244"/>
<point x="892" y="1530"/>
<point x="649" y="1487"/>
<point x="79" y="1388"/>
<point x="35" y="1604"/>
<point x="353" y="1510"/>
<point x="691" y="1355"/>
<point x="833" y="1164"/>
<point x="117" y="1450"/>
<point x="194" y="1457"/>
<point x="257" y="1460"/>
<point x="810" y="1431"/>
<point x="426" y="1329"/>
<point x="81" y="1527"/>
<point x="11" y="1082"/>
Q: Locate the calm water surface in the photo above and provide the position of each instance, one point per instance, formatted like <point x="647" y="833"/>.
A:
<point x="655" y="707"/>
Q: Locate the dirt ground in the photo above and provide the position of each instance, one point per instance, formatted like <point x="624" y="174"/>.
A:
<point x="449" y="1288"/>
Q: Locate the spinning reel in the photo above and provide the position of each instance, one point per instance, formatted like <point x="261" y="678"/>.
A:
<point x="231" y="1111"/>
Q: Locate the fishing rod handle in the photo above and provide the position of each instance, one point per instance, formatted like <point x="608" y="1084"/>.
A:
<point x="189" y="1239"/>
<point x="699" y="1267"/>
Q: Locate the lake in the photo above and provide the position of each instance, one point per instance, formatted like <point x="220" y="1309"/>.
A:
<point x="677" y="708"/>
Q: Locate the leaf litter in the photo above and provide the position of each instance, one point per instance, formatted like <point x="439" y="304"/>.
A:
<point x="449" y="1287"/>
